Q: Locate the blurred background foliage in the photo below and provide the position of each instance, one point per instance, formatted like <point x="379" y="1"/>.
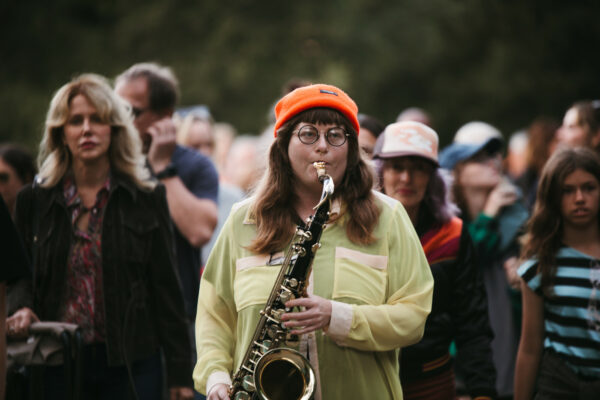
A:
<point x="501" y="61"/>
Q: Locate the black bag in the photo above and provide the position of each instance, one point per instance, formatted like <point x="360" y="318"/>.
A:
<point x="46" y="344"/>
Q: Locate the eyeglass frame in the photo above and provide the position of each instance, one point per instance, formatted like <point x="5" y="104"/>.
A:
<point x="346" y="135"/>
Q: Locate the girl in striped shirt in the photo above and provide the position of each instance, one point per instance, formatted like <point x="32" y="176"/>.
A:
<point x="560" y="339"/>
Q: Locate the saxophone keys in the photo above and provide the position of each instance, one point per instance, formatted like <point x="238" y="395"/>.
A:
<point x="242" y="396"/>
<point x="273" y="331"/>
<point x="248" y="369"/>
<point x="248" y="383"/>
<point x="266" y="345"/>
<point x="292" y="340"/>
<point x="301" y="251"/>
<point x="285" y="296"/>
<point x="276" y="314"/>
<point x="316" y="247"/>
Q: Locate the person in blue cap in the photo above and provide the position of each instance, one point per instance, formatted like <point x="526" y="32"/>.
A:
<point x="492" y="210"/>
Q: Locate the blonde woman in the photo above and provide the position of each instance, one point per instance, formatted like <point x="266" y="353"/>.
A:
<point x="99" y="234"/>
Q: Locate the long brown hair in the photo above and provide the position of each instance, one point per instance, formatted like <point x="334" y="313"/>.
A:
<point x="273" y="208"/>
<point x="545" y="227"/>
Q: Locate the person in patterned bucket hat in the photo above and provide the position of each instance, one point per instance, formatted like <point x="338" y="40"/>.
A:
<point x="406" y="156"/>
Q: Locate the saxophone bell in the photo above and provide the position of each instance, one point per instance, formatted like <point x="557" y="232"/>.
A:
<point x="284" y="365"/>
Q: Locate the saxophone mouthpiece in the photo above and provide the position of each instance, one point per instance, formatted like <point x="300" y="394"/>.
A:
<point x="325" y="180"/>
<point x="321" y="172"/>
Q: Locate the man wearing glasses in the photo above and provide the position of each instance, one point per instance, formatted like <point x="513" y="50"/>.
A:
<point x="189" y="177"/>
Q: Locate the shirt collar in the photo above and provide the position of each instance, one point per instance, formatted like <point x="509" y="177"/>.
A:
<point x="70" y="190"/>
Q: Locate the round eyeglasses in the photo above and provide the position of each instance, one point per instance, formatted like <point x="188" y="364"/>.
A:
<point x="308" y="134"/>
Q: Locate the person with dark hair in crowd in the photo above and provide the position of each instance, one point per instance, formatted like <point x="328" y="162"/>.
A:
<point x="406" y="158"/>
<point x="540" y="145"/>
<point x="560" y="339"/>
<point x="17" y="169"/>
<point x="370" y="129"/>
<point x="289" y="86"/>
<point x="190" y="178"/>
<point x="293" y="84"/>
<point x="581" y="126"/>
<point x="15" y="266"/>
<point x="370" y="289"/>
<point x="515" y="162"/>
<point x="98" y="229"/>
<point x="415" y="114"/>
<point x="492" y="211"/>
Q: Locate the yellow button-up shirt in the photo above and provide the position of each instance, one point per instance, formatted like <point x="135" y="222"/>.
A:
<point x="381" y="296"/>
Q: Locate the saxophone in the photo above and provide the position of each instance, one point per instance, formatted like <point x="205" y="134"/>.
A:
<point x="270" y="370"/>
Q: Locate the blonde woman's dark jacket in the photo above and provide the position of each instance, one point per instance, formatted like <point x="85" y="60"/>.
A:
<point x="143" y="302"/>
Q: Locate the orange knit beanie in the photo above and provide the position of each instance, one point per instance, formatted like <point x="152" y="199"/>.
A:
<point x="313" y="96"/>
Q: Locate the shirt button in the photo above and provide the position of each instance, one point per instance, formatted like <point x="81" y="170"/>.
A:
<point x="94" y="210"/>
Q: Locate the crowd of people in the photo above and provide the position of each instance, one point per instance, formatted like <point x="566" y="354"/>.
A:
<point x="470" y="271"/>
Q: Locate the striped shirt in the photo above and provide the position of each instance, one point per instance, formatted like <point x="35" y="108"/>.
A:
<point x="572" y="315"/>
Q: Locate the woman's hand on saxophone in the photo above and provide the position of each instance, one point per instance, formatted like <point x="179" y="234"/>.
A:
<point x="218" y="392"/>
<point x="316" y="314"/>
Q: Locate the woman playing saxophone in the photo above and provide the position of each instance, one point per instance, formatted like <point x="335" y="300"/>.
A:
<point x="370" y="289"/>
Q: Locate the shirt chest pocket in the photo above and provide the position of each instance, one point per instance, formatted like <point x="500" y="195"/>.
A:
<point x="360" y="276"/>
<point x="137" y="238"/>
<point x="254" y="280"/>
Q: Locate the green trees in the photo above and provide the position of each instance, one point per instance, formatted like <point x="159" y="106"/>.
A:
<point x="500" y="61"/>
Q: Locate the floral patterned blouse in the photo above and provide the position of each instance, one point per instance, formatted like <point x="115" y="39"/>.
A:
<point x="84" y="303"/>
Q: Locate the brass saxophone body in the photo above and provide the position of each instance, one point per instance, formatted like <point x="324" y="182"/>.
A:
<point x="270" y="370"/>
